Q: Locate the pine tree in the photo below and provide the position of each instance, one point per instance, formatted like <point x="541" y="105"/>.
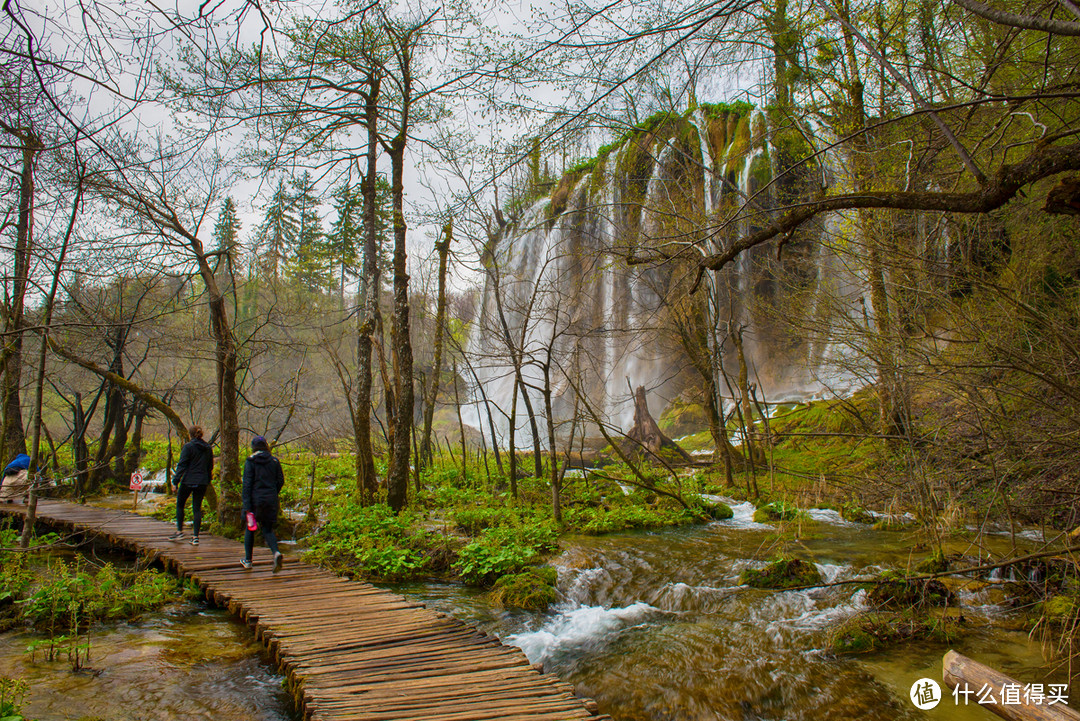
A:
<point x="309" y="265"/>
<point x="343" y="241"/>
<point x="277" y="235"/>
<point x="227" y="241"/>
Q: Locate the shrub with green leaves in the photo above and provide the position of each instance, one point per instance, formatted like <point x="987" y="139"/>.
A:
<point x="778" y="511"/>
<point x="505" y="549"/>
<point x="72" y="595"/>
<point x="371" y="542"/>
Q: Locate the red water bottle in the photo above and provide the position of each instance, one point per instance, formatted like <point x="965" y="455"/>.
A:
<point x="252" y="525"/>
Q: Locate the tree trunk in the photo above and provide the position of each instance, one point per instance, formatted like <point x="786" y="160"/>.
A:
<point x="366" y="482"/>
<point x="34" y="471"/>
<point x="443" y="248"/>
<point x="14" y="435"/>
<point x="553" y="458"/>
<point x="228" y="510"/>
<point x="646" y="433"/>
<point x="398" y="474"/>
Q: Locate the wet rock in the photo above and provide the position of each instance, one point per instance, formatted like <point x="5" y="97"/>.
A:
<point x="777" y="511"/>
<point x="782" y="573"/>
<point x="894" y="591"/>
<point x="532" y="590"/>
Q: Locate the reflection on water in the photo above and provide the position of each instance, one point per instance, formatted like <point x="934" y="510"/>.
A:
<point x="184" y="663"/>
<point x="654" y="626"/>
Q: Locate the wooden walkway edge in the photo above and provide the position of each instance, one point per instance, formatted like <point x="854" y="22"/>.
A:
<point x="348" y="650"/>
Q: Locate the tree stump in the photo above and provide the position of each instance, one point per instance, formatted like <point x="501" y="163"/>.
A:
<point x="646" y="434"/>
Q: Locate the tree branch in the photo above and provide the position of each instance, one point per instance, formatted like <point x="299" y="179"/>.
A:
<point x="999" y="190"/>
<point x="1046" y="25"/>
<point x="118" y="380"/>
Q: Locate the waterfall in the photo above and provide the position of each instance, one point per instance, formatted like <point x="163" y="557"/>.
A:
<point x="570" y="301"/>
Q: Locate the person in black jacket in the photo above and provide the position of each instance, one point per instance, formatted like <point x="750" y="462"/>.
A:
<point x="263" y="480"/>
<point x="192" y="478"/>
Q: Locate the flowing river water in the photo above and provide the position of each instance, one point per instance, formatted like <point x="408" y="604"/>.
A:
<point x="653" y="625"/>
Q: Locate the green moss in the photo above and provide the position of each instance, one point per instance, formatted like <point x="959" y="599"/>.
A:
<point x="782" y="573"/>
<point x="855" y="514"/>
<point x="777" y="511"/>
<point x="533" y="589"/>
<point x="681" y="417"/>
<point x="870" y="632"/>
<point x="760" y="172"/>
<point x="741" y="145"/>
<point x="936" y="562"/>
<point x="718" y="511"/>
<point x="1058" y="608"/>
<point x="892" y="590"/>
<point x="718" y="110"/>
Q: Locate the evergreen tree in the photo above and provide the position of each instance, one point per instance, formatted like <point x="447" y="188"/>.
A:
<point x="227" y="241"/>
<point x="310" y="264"/>
<point x="343" y="241"/>
<point x="277" y="235"/>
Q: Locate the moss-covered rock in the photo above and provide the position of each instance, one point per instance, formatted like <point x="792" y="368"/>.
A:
<point x="782" y="573"/>
<point x="893" y="590"/>
<point x="533" y="589"/>
<point x="936" y="562"/>
<point x="1058" y="608"/>
<point x="870" y="632"/>
<point x="776" y="511"/>
<point x="683" y="417"/>
<point x="856" y="514"/>
<point x="718" y="511"/>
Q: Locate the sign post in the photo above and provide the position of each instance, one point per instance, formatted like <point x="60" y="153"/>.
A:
<point x="136" y="486"/>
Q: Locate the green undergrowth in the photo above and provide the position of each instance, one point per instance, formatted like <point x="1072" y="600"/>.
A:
<point x="58" y="594"/>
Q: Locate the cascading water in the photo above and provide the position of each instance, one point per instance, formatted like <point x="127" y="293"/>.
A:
<point x="559" y="292"/>
<point x="656" y="626"/>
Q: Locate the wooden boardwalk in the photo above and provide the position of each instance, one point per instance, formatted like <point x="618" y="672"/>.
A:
<point x="348" y="650"/>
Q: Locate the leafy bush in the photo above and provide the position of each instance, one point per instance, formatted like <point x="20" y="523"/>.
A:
<point x="475" y="519"/>
<point x="895" y="591"/>
<point x="777" y="511"/>
<point x="503" y="550"/>
<point x="71" y="596"/>
<point x="12" y="693"/>
<point x="371" y="541"/>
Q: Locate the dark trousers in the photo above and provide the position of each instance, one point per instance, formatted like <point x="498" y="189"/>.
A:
<point x="196" y="493"/>
<point x="267" y="530"/>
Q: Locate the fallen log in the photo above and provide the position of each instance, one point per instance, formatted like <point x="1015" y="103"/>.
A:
<point x="958" y="670"/>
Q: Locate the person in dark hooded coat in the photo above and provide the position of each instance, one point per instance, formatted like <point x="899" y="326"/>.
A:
<point x="263" y="480"/>
<point x="192" y="478"/>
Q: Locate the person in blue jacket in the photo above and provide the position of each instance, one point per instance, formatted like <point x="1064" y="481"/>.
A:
<point x="192" y="478"/>
<point x="263" y="481"/>
<point x="15" y="482"/>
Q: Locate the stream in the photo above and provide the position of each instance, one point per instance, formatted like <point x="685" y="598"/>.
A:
<point x="654" y="626"/>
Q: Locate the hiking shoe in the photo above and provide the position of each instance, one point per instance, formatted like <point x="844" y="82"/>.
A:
<point x="245" y="563"/>
<point x="278" y="559"/>
<point x="195" y="541"/>
<point x="178" y="536"/>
